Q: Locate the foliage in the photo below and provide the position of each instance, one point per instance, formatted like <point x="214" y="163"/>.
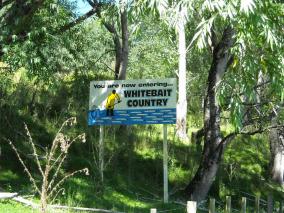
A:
<point x="45" y="74"/>
<point x="153" y="52"/>
<point x="257" y="40"/>
<point x="133" y="177"/>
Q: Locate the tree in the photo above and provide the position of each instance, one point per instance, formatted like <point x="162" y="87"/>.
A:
<point x="276" y="141"/>
<point x="37" y="24"/>
<point x="182" y="99"/>
<point x="121" y="45"/>
<point x="174" y="13"/>
<point x="232" y="55"/>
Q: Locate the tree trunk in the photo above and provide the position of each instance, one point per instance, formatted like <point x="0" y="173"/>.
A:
<point x="118" y="55"/>
<point x="121" y="47"/>
<point x="276" y="140"/>
<point x="43" y="196"/>
<point x="125" y="48"/>
<point x="117" y="46"/>
<point x="182" y="102"/>
<point x="213" y="143"/>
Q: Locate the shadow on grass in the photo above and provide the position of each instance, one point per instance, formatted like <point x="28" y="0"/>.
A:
<point x="134" y="177"/>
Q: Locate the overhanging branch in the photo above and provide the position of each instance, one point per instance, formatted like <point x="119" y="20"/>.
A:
<point x="232" y="135"/>
<point x="77" y="21"/>
<point x="23" y="35"/>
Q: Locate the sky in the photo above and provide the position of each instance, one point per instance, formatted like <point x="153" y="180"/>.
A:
<point x="83" y="7"/>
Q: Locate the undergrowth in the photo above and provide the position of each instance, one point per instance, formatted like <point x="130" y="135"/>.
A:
<point x="133" y="155"/>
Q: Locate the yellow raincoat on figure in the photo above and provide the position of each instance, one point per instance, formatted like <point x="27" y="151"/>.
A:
<point x="111" y="102"/>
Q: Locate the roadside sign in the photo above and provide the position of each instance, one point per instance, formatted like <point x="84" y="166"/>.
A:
<point x="128" y="102"/>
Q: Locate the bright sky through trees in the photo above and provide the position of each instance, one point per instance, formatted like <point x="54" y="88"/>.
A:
<point x="82" y="6"/>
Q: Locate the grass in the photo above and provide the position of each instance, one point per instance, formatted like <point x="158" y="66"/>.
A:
<point x="133" y="181"/>
<point x="134" y="173"/>
<point x="14" y="207"/>
<point x="133" y="178"/>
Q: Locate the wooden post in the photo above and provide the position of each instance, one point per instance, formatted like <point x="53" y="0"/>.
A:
<point x="244" y="205"/>
<point x="165" y="163"/>
<point x="153" y="211"/>
<point x="191" y="207"/>
<point x="270" y="204"/>
<point x="101" y="153"/>
<point x="212" y="205"/>
<point x="228" y="204"/>
<point x="257" y="199"/>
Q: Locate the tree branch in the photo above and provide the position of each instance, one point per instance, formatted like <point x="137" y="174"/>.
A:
<point x="77" y="21"/>
<point x="91" y="3"/>
<point x="254" y="88"/>
<point x="232" y="135"/>
<point x="261" y="130"/>
<point x="106" y="52"/>
<point x="23" y="35"/>
<point x="109" y="67"/>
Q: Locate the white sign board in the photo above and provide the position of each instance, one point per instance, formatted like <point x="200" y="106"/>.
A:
<point x="132" y="102"/>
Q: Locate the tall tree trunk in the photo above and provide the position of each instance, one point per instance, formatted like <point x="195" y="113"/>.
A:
<point x="121" y="47"/>
<point x="118" y="55"/>
<point x="125" y="48"/>
<point x="182" y="102"/>
<point x="276" y="141"/>
<point x="117" y="46"/>
<point x="213" y="143"/>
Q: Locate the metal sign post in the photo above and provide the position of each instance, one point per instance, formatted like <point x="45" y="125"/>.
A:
<point x="165" y="163"/>
<point x="101" y="153"/>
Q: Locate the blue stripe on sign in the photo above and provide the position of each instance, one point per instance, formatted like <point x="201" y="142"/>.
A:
<point x="152" y="122"/>
<point x="117" y="122"/>
<point x="121" y="111"/>
<point x="125" y="115"/>
<point x="134" y="112"/>
<point x="150" y="111"/>
<point x="121" y="119"/>
<point x="165" y="110"/>
<point x="168" y="116"/>
<point x="106" y="118"/>
<point x="133" y="116"/>
<point x="158" y="119"/>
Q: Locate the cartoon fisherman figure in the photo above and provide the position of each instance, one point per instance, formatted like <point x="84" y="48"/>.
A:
<point x="110" y="102"/>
